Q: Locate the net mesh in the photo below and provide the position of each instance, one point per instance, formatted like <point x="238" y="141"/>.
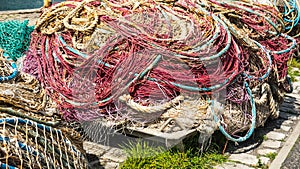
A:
<point x="15" y="37"/>
<point x="27" y="144"/>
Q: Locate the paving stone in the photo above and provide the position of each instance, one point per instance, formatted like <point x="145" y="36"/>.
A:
<point x="266" y="151"/>
<point x="296" y="86"/>
<point x="115" y="154"/>
<point x="271" y="144"/>
<point x="287" y="122"/>
<point x="244" y="158"/>
<point x="111" y="165"/>
<point x="265" y="160"/>
<point x="285" y="128"/>
<point x="229" y="165"/>
<point x="275" y="136"/>
<point x="93" y="148"/>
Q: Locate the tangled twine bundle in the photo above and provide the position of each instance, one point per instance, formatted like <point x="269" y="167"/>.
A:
<point x="25" y="93"/>
<point x="143" y="60"/>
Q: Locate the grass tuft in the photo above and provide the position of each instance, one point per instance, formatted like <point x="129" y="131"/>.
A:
<point x="143" y="156"/>
<point x="271" y="156"/>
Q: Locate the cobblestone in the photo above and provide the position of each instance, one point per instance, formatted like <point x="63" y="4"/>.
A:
<point x="265" y="160"/>
<point x="115" y="154"/>
<point x="287" y="122"/>
<point x="285" y="128"/>
<point x="271" y="144"/>
<point x="275" y="136"/>
<point x="288" y="110"/>
<point x="265" y="151"/>
<point x="244" y="158"/>
<point x="96" y="149"/>
<point x="111" y="165"/>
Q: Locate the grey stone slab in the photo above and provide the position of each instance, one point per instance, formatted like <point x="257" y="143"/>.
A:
<point x="293" y="161"/>
<point x="244" y="158"/>
<point x="265" y="151"/>
<point x="93" y="148"/>
<point x="285" y="128"/>
<point x="275" y="136"/>
<point x="265" y="160"/>
<point x="115" y="154"/>
<point x="287" y="122"/>
<point x="111" y="165"/>
<point x="288" y="153"/>
<point x="271" y="144"/>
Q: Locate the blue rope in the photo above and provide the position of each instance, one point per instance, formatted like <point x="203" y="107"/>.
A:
<point x="28" y="122"/>
<point x="253" y="120"/>
<point x="33" y="124"/>
<point x="23" y="146"/>
<point x="5" y="166"/>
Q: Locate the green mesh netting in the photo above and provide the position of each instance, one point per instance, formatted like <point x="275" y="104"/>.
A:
<point x="15" y="37"/>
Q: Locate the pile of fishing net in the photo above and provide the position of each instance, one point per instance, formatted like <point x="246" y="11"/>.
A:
<point x="166" y="65"/>
<point x="32" y="134"/>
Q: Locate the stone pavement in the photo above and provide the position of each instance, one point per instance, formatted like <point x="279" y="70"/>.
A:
<point x="105" y="157"/>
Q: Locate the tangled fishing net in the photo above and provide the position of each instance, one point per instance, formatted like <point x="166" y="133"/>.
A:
<point x="32" y="132"/>
<point x="199" y="64"/>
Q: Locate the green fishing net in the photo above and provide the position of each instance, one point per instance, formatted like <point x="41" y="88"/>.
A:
<point x="15" y="37"/>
